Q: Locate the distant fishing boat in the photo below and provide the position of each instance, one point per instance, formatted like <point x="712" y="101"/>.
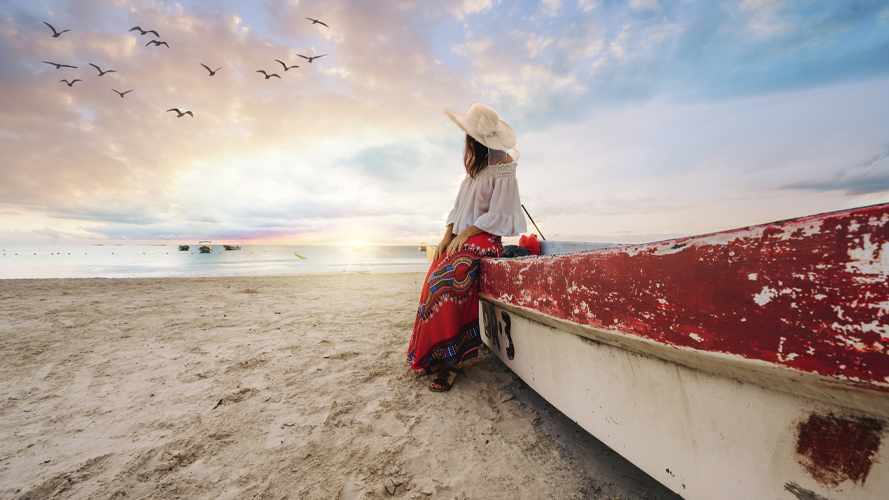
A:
<point x="231" y="247"/>
<point x="750" y="363"/>
<point x="422" y="247"/>
<point x="205" y="248"/>
<point x="184" y="248"/>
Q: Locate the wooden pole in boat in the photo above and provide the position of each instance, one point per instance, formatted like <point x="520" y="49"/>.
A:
<point x="532" y="222"/>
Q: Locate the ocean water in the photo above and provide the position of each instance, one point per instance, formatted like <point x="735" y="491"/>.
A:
<point x="156" y="261"/>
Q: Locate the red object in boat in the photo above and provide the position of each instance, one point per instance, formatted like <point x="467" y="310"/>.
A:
<point x="531" y="243"/>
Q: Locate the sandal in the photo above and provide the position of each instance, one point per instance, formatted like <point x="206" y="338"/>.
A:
<point x="429" y="370"/>
<point x="443" y="381"/>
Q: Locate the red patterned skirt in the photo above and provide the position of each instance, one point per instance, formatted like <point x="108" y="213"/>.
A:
<point x="446" y="329"/>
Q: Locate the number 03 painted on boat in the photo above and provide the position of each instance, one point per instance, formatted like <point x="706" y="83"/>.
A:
<point x="747" y="364"/>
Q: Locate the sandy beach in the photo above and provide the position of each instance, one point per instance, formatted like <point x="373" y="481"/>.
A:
<point x="267" y="387"/>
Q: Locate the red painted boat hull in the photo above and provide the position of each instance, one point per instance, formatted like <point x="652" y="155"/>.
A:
<point x="751" y="363"/>
<point x="809" y="295"/>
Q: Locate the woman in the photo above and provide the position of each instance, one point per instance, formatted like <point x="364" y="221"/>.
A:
<point x="446" y="330"/>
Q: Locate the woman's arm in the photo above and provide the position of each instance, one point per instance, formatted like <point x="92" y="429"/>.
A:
<point x="457" y="243"/>
<point x="445" y="241"/>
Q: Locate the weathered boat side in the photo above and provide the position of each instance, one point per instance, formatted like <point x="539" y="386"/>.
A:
<point x="724" y="365"/>
<point x="809" y="294"/>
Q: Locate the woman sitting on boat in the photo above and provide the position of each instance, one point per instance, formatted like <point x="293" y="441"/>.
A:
<point x="446" y="331"/>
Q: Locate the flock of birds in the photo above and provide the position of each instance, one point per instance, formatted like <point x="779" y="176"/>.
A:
<point x="158" y="43"/>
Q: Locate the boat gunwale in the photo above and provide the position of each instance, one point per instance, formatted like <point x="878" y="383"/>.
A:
<point x="523" y="272"/>
<point x="639" y="246"/>
<point x="752" y="371"/>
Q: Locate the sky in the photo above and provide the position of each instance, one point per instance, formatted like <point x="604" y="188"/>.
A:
<point x="636" y="120"/>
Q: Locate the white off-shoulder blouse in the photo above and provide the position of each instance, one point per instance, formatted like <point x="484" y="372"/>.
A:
<point x="490" y="201"/>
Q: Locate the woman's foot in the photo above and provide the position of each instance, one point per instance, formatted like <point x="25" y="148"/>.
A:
<point x="446" y="378"/>
<point x="430" y="370"/>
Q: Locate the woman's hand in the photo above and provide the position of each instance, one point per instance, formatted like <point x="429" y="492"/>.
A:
<point x="457" y="243"/>
<point x="440" y="249"/>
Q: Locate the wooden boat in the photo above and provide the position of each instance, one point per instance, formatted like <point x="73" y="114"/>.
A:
<point x="205" y="247"/>
<point x="747" y="364"/>
<point x="231" y="247"/>
<point x="184" y="248"/>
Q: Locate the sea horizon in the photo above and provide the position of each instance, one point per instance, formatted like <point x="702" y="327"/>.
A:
<point x="104" y="260"/>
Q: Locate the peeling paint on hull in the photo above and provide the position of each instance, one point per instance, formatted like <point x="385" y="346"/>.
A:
<point x="834" y="449"/>
<point x="746" y="364"/>
<point x="809" y="294"/>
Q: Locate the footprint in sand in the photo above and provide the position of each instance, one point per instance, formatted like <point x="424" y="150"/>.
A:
<point x="44" y="371"/>
<point x="82" y="380"/>
<point x="390" y="425"/>
<point x="354" y="487"/>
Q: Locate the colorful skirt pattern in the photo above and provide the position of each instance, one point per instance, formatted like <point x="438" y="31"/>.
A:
<point x="446" y="329"/>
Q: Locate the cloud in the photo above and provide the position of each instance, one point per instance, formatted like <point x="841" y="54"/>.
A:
<point x="548" y="8"/>
<point x="588" y="5"/>
<point x="46" y="235"/>
<point x="670" y="168"/>
<point x="506" y="77"/>
<point x="462" y="8"/>
<point x="645" y="5"/>
<point x="536" y="43"/>
<point x="687" y="51"/>
<point x="869" y="176"/>
<point x="763" y="15"/>
<point x="83" y="153"/>
<point x="55" y="235"/>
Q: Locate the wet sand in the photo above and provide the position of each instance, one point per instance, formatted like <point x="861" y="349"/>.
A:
<point x="267" y="387"/>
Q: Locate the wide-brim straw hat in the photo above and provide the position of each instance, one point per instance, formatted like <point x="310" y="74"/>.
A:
<point x="483" y="124"/>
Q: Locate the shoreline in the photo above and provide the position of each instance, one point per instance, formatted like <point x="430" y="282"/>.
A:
<point x="214" y="276"/>
<point x="234" y="387"/>
<point x="166" y="262"/>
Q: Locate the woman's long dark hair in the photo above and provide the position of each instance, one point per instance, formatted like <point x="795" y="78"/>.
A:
<point x="475" y="156"/>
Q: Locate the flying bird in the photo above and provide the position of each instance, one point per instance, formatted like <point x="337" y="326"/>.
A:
<point x="144" y="32"/>
<point x="121" y="94"/>
<point x="315" y="21"/>
<point x="180" y="113"/>
<point x="59" y="66"/>
<point x="71" y="83"/>
<point x="157" y="43"/>
<point x="55" y="34"/>
<point x="267" y="76"/>
<point x="312" y="58"/>
<point x="286" y="67"/>
<point x="100" y="70"/>
<point x="212" y="71"/>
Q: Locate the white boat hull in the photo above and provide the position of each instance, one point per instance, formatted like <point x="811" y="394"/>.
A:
<point x="704" y="435"/>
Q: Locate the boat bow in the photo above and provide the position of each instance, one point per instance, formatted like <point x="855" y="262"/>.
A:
<point x="750" y="363"/>
<point x="800" y="305"/>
